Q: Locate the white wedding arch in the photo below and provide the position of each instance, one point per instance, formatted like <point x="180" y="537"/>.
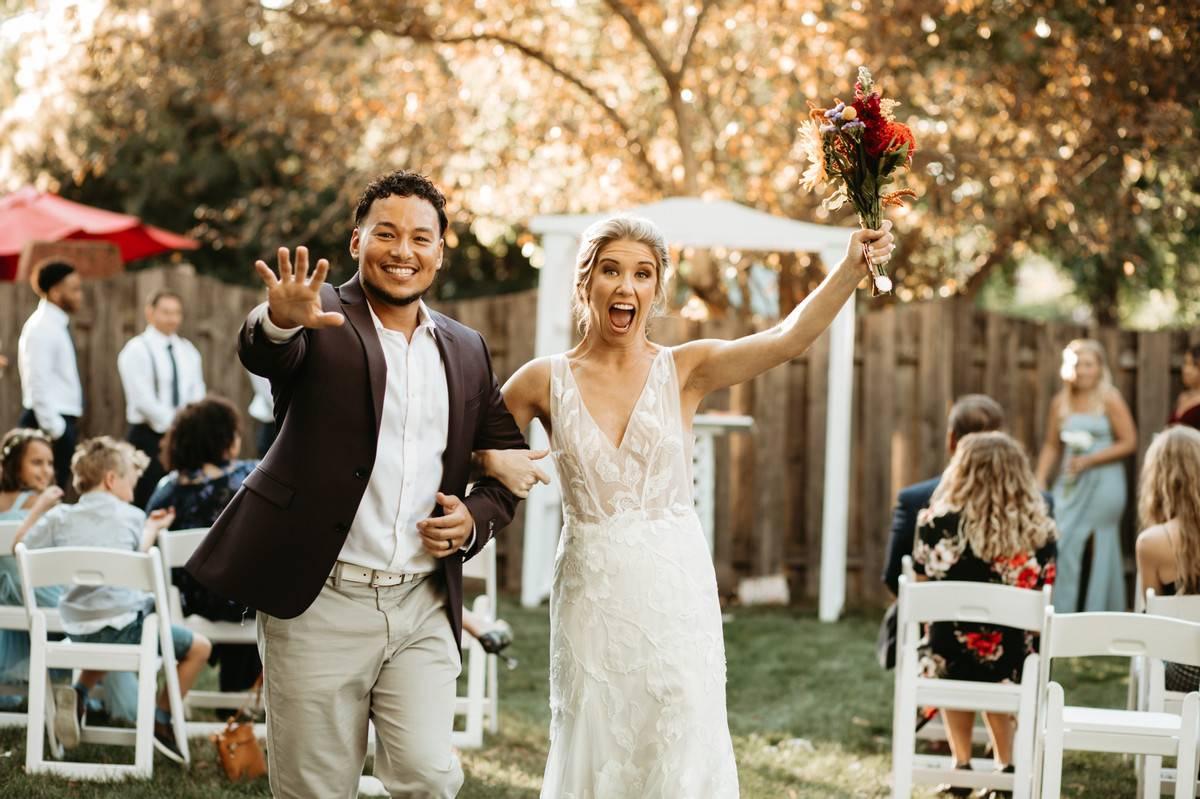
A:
<point x="706" y="224"/>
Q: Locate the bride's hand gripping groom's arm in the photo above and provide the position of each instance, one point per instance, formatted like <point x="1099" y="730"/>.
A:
<point x="526" y="395"/>
<point x="270" y="344"/>
<point x="708" y="365"/>
<point x="515" y="468"/>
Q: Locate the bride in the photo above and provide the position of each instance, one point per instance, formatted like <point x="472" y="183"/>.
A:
<point x="637" y="657"/>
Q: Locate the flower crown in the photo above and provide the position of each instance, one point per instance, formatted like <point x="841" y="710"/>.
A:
<point x="20" y="439"/>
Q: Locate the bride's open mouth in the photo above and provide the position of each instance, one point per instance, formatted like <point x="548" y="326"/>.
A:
<point x="621" y="316"/>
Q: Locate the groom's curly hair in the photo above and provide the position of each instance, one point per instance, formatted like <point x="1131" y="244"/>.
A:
<point x="402" y="183"/>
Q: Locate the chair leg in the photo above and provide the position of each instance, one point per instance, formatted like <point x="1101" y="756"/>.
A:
<point x="143" y="752"/>
<point x="1052" y="748"/>
<point x="1150" y="777"/>
<point x="904" y="734"/>
<point x="1026" y="728"/>
<point x="1185" y="764"/>
<point x="174" y="693"/>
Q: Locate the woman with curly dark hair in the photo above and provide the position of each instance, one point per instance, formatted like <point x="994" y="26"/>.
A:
<point x="199" y="450"/>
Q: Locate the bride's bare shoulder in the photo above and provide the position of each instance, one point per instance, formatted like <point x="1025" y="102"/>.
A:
<point x="532" y="380"/>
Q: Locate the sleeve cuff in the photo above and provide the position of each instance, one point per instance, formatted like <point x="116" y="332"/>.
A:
<point x="274" y="332"/>
<point x="54" y="427"/>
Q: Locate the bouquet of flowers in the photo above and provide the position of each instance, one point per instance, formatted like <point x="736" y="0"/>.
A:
<point x="856" y="148"/>
<point x="1078" y="442"/>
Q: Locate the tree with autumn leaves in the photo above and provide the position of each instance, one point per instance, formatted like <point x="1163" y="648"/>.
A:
<point x="1065" y="129"/>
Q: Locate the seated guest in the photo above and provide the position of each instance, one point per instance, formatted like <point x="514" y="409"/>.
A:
<point x="199" y="449"/>
<point x="26" y="476"/>
<point x="104" y="472"/>
<point x="972" y="413"/>
<point x="1187" y="404"/>
<point x="986" y="522"/>
<point x="1168" y="549"/>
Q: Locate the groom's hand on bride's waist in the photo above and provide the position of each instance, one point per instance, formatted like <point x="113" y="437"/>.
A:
<point x="447" y="534"/>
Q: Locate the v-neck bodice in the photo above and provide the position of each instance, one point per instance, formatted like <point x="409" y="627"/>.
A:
<point x="651" y="469"/>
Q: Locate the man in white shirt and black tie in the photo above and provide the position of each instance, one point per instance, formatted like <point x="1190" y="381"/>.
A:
<point x="51" y="392"/>
<point x="161" y="372"/>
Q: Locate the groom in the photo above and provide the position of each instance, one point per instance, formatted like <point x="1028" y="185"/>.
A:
<point x="349" y="538"/>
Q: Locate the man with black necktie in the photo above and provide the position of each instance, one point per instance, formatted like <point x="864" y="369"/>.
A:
<point x="161" y="372"/>
<point x="51" y="392"/>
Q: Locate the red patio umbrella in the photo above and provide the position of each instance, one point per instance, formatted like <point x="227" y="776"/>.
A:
<point x="30" y="215"/>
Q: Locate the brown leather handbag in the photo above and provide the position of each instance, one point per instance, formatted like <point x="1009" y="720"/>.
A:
<point x="237" y="748"/>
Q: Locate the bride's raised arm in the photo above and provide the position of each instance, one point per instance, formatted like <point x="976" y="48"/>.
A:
<point x="708" y="365"/>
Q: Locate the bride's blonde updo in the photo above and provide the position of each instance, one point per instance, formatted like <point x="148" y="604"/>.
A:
<point x="601" y="234"/>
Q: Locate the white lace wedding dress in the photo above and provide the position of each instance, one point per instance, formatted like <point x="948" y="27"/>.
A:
<point x="637" y="657"/>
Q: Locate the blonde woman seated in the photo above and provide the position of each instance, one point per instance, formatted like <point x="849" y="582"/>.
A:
<point x="1168" y="549"/>
<point x="986" y="522"/>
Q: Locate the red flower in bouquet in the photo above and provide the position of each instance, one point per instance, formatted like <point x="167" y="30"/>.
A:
<point x="890" y="137"/>
<point x="856" y="147"/>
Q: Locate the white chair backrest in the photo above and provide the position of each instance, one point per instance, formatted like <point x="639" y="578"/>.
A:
<point x="178" y="545"/>
<point x="906" y="568"/>
<point x="1120" y="635"/>
<point x="8" y="531"/>
<point x="1182" y="606"/>
<point x="72" y="566"/>
<point x="984" y="603"/>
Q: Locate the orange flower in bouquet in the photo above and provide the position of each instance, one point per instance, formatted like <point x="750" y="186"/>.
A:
<point x="856" y="148"/>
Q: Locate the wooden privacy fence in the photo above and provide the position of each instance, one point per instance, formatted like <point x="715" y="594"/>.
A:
<point x="911" y="361"/>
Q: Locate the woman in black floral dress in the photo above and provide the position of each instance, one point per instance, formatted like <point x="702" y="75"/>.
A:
<point x="986" y="522"/>
<point x="199" y="449"/>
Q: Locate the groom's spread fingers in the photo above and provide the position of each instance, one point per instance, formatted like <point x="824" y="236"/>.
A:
<point x="320" y="272"/>
<point x="264" y="272"/>
<point x="285" y="265"/>
<point x="301" y="264"/>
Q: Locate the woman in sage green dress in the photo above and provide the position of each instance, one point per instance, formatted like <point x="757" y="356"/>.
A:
<point x="1089" y="434"/>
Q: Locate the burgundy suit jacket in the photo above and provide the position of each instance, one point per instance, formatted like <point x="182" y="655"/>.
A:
<point x="276" y="542"/>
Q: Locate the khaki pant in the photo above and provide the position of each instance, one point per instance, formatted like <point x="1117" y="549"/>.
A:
<point x="387" y="654"/>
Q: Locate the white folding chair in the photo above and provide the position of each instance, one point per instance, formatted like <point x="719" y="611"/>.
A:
<point x="176" y="547"/>
<point x="933" y="729"/>
<point x="1153" y="779"/>
<point x="1062" y="727"/>
<point x="950" y="601"/>
<point x="74" y="566"/>
<point x="481" y="705"/>
<point x="14" y="617"/>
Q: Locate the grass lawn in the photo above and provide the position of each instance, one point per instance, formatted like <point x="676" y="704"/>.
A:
<point x="809" y="710"/>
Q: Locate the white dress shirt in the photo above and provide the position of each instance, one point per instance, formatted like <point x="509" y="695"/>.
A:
<point x="262" y="406"/>
<point x="50" y="384"/>
<point x="407" y="475"/>
<point x="145" y="368"/>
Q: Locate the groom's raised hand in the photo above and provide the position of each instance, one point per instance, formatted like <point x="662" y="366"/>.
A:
<point x="294" y="298"/>
<point x="446" y="534"/>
